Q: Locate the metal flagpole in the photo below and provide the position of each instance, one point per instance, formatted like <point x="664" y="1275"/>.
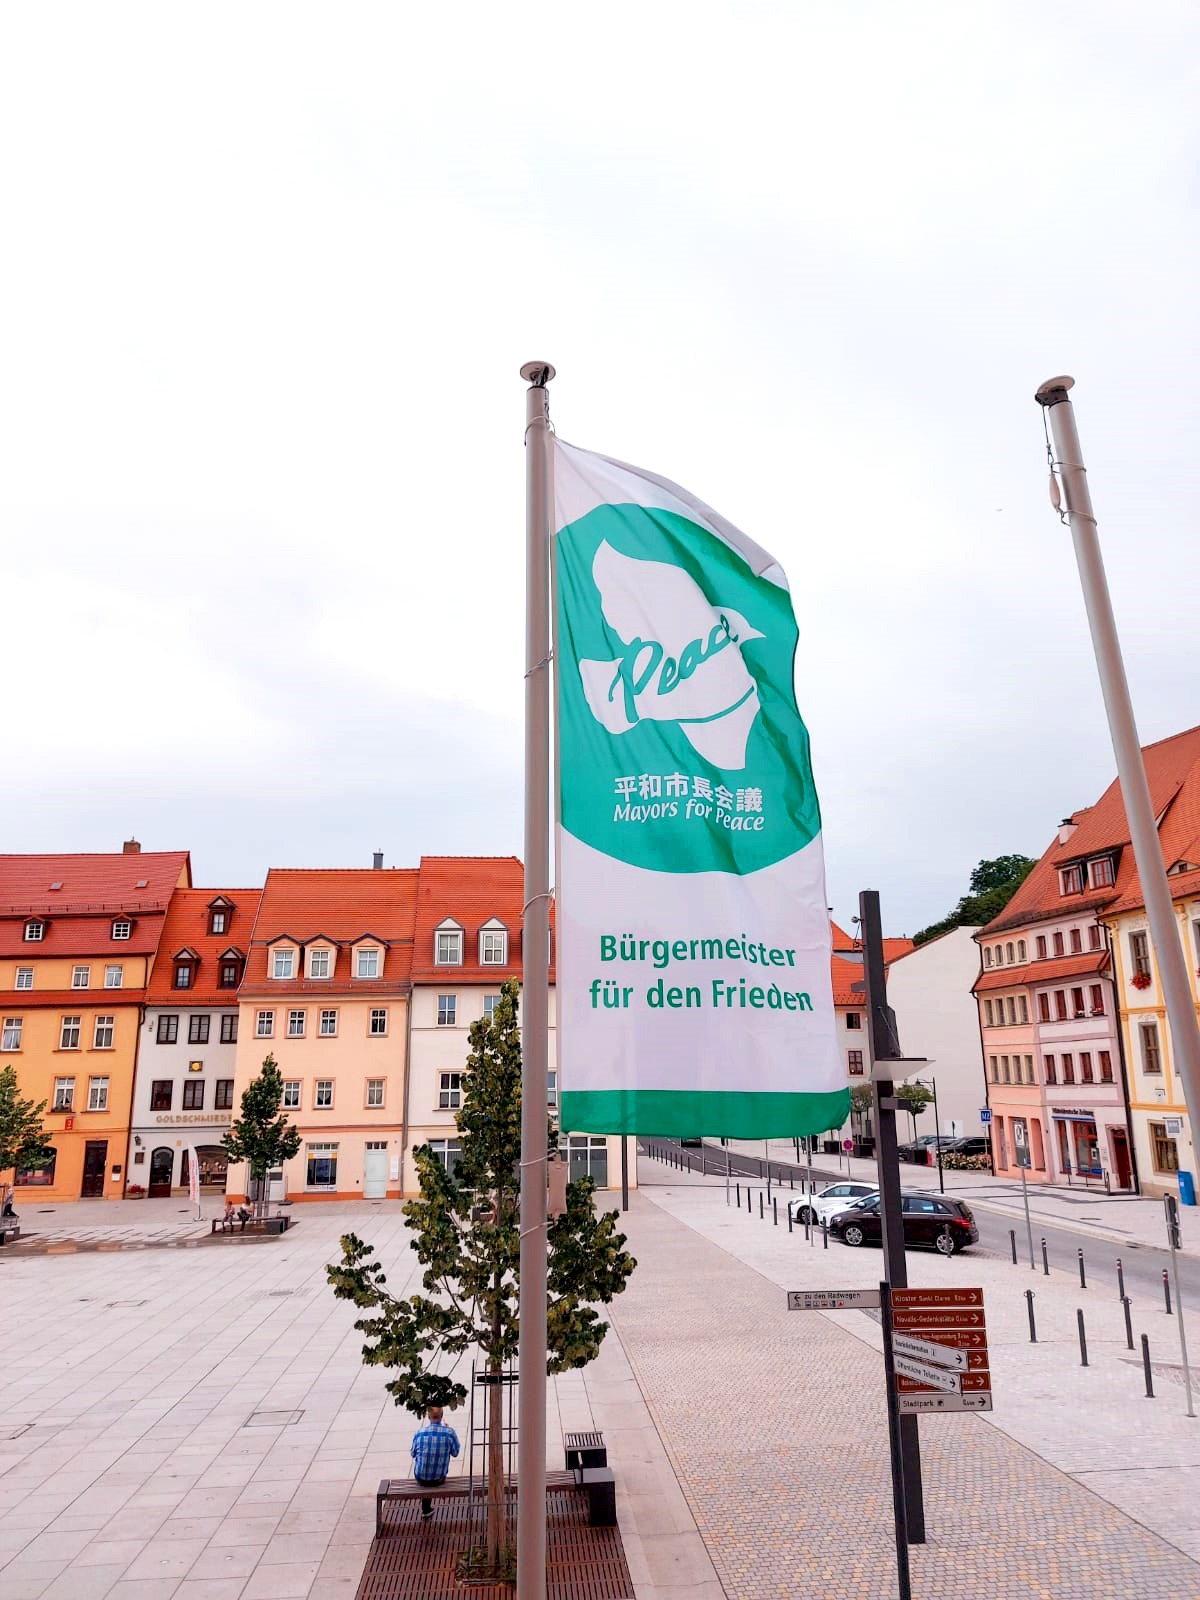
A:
<point x="937" y="1123"/>
<point x="535" y="998"/>
<point x="1135" y="791"/>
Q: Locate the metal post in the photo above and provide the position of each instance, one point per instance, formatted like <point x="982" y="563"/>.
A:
<point x="535" y="990"/>
<point x="775" y="1212"/>
<point x="624" y="1172"/>
<point x="1126" y="1305"/>
<point x="1032" y="1323"/>
<point x="1135" y="791"/>
<point x="1045" y="1258"/>
<point x="1171" y="1207"/>
<point x="789" y="1217"/>
<point x="1012" y="1239"/>
<point x="1083" y="1360"/>
<point x="937" y="1128"/>
<point x="824" y="1234"/>
<point x="1120" y="1280"/>
<point x="1082" y="1273"/>
<point x="885" y="1045"/>
<point x="1146" y="1367"/>
<point x="760" y="1205"/>
<point x="1028" y="1223"/>
<point x="810" y="1176"/>
<point x="726" y="1174"/>
<point x="738" y="1191"/>
<point x="767" y="1153"/>
<point x="900" y="1507"/>
<point x="1167" y="1290"/>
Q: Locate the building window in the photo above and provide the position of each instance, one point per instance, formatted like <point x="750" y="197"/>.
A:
<point x="97" y="1094"/>
<point x="987" y="955"/>
<point x="327" y="1028"/>
<point x="366" y="963"/>
<point x="375" y="1092"/>
<point x="193" y="1094"/>
<point x="1060" y="1005"/>
<point x="321" y="1166"/>
<point x="1163" y="1150"/>
<point x="552" y="1089"/>
<point x="378" y="1024"/>
<point x="37" y="1177"/>
<point x="1011" y="1004"/>
<point x="1101" y="872"/>
<point x="1043" y="1000"/>
<point x="10" y="1037"/>
<point x="223" y="1098"/>
<point x="102" y="1034"/>
<point x="448" y="948"/>
<point x="1076" y="941"/>
<point x="1059" y="948"/>
<point x="228" y="975"/>
<point x="122" y="928"/>
<point x="161" y="1092"/>
<point x="68" y="1037"/>
<point x="114" y="975"/>
<point x="588" y="1158"/>
<point x="493" y="948"/>
<point x="999" y="956"/>
<point x="994" y="1064"/>
<point x="1068" y="1067"/>
<point x="1151" y="1054"/>
<point x="1139" y="954"/>
<point x="64" y="1094"/>
<point x="1085" y="1067"/>
<point x="264" y="1025"/>
<point x="168" y="1027"/>
<point x="1041" y="946"/>
<point x="1021" y="950"/>
<point x="1048" y="1065"/>
<point x="80" y="977"/>
<point x="24" y="978"/>
<point x="1077" y="1006"/>
<point x="323" y="1094"/>
<point x="854" y="1019"/>
<point x="450" y="1091"/>
<point x="1106" y="1072"/>
<point x="1094" y="936"/>
<point x="447" y="1010"/>
<point x="1004" y="1069"/>
<point x="295" y="1025"/>
<point x="318" y="963"/>
<point x="1023" y="1006"/>
<point x="490" y="1002"/>
<point x="198" y="1029"/>
<point x="291" y="1094"/>
<point x="1097" y="994"/>
<point x="1029" y="1078"/>
<point x="854" y="1062"/>
<point x="987" y="1014"/>
<point x="183" y="975"/>
<point x="35" y="932"/>
<point x="1008" y="952"/>
<point x="282" y="963"/>
<point x="229" y="1028"/>
<point x="1071" y="880"/>
<point x="447" y="1152"/>
<point x="216" y="921"/>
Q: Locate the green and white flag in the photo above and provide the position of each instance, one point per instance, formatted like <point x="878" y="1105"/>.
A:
<point x="693" y="963"/>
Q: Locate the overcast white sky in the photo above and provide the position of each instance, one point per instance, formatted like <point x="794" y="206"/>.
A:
<point x="268" y="275"/>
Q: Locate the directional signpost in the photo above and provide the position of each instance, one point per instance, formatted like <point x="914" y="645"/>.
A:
<point x="833" y="1299"/>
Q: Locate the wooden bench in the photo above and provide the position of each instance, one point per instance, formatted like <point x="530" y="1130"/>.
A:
<point x="597" y="1483"/>
<point x="255" y="1224"/>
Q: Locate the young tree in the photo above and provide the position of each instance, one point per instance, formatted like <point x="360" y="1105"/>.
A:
<point x="466" y="1234"/>
<point x="262" y="1136"/>
<point x="861" y="1100"/>
<point x="914" y="1097"/>
<point x="23" y="1141"/>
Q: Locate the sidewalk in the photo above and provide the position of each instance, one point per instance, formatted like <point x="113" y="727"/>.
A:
<point x="1121" y="1219"/>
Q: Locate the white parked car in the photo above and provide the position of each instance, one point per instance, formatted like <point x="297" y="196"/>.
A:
<point x="828" y="1202"/>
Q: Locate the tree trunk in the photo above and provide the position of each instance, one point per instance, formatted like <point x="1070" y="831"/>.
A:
<point x="495" y="1459"/>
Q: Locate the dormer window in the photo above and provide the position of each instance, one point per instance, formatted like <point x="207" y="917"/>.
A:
<point x="448" y="945"/>
<point x="493" y="945"/>
<point x="1101" y="872"/>
<point x="35" y="932"/>
<point x="122" y="928"/>
<point x="219" y="911"/>
<point x="1070" y="880"/>
<point x="229" y="969"/>
<point x="987" y="955"/>
<point x="366" y="962"/>
<point x="283" y="963"/>
<point x="319" y="964"/>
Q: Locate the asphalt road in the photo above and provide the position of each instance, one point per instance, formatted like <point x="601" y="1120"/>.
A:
<point x="1142" y="1266"/>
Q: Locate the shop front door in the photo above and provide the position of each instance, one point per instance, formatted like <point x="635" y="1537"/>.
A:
<point x="95" y="1154"/>
<point x="161" y="1163"/>
<point x="375" y="1171"/>
<point x="1120" y="1155"/>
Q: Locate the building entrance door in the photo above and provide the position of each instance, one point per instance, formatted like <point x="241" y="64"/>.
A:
<point x="161" y="1163"/>
<point x="1120" y="1155"/>
<point x="95" y="1154"/>
<point x="375" y="1170"/>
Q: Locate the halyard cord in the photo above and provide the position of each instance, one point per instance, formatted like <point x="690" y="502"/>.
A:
<point x="1054" y="465"/>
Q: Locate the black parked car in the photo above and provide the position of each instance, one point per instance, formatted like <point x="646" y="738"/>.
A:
<point x="976" y="1145"/>
<point x="935" y="1220"/>
<point x="920" y="1150"/>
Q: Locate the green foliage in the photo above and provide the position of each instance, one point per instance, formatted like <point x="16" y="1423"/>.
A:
<point x="861" y="1098"/>
<point x="23" y="1141"/>
<point x="953" y="1161"/>
<point x="466" y="1234"/>
<point x="914" y="1097"/>
<point x="262" y="1136"/>
<point x="991" y="892"/>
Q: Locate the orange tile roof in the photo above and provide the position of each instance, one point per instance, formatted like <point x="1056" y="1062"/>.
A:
<point x="187" y="927"/>
<point x="94" y="890"/>
<point x="1086" y="964"/>
<point x="341" y="904"/>
<point x="469" y="890"/>
<point x="1173" y="774"/>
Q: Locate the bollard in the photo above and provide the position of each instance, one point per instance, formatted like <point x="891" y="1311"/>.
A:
<point x="1083" y="1360"/>
<point x="824" y="1234"/>
<point x="738" y="1187"/>
<point x="1032" y="1323"/>
<point x="1167" y="1290"/>
<point x="791" y="1180"/>
<point x="1121" y="1283"/>
<point x="1146" y="1368"/>
<point x="1045" y="1258"/>
<point x="1012" y="1239"/>
<point x="1127" y="1303"/>
<point x="789" y="1212"/>
<point x="760" y="1205"/>
<point x="1082" y="1274"/>
<point x="807" y="1224"/>
<point x="775" y="1213"/>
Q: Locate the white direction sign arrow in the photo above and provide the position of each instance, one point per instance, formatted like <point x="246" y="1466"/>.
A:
<point x="831" y="1299"/>
<point x="922" y="1372"/>
<point x="926" y="1350"/>
<point x="918" y="1403"/>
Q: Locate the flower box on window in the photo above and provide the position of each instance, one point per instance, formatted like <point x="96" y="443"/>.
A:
<point x="1141" y="980"/>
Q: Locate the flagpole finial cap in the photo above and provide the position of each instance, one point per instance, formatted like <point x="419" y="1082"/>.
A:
<point x="1054" y="391"/>
<point x="537" y="373"/>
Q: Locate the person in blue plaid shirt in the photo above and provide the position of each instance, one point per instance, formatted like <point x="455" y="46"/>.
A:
<point x="433" y="1445"/>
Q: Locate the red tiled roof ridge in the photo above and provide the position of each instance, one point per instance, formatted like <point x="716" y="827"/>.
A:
<point x="365" y="872"/>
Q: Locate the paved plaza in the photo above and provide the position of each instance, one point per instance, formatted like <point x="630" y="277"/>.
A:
<point x="196" y="1424"/>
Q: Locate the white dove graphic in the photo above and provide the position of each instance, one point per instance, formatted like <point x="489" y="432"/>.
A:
<point x="682" y="661"/>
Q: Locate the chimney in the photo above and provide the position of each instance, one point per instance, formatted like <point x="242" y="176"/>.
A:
<point x="377" y="861"/>
<point x="1066" y="828"/>
<point x="131" y="848"/>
